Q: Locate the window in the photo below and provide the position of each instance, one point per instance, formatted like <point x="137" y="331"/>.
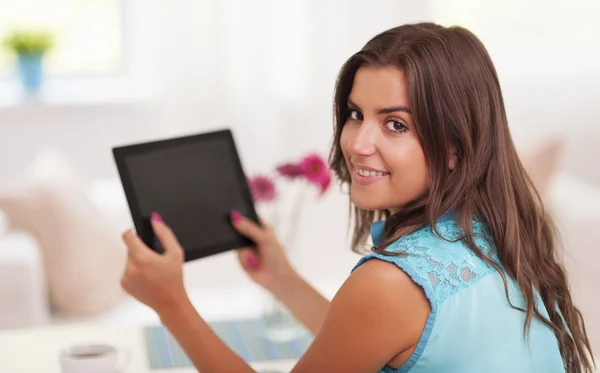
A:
<point x="88" y="34"/>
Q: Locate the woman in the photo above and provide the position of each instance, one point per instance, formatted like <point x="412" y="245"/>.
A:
<point x="462" y="277"/>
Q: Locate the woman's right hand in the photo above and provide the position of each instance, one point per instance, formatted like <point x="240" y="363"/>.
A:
<point x="266" y="264"/>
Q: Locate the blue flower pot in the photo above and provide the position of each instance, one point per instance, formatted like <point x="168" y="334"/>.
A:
<point x="31" y="71"/>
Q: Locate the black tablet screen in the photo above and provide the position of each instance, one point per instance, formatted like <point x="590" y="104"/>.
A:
<point x="193" y="186"/>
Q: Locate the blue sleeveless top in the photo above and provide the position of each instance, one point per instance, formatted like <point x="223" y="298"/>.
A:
<point x="471" y="328"/>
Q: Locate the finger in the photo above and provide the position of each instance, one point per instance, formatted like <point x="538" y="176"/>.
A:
<point x="130" y="273"/>
<point x="248" y="259"/>
<point x="135" y="246"/>
<point x="165" y="235"/>
<point x="247" y="227"/>
<point x="263" y="223"/>
<point x="266" y="228"/>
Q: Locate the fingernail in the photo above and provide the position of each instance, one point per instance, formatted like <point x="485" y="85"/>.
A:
<point x="253" y="262"/>
<point x="235" y="216"/>
<point x="156" y="217"/>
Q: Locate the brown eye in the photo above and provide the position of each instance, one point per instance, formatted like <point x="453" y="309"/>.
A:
<point x="355" y="115"/>
<point x="395" y="126"/>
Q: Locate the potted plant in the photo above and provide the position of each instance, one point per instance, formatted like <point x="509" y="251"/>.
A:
<point x="30" y="48"/>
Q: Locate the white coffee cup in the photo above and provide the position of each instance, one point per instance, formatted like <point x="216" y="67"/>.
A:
<point x="93" y="358"/>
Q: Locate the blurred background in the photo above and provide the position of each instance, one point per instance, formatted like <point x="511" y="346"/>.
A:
<point x="124" y="71"/>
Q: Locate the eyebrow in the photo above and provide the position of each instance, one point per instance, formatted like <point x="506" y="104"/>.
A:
<point x="386" y="110"/>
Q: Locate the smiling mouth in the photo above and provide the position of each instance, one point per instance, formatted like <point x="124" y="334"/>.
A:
<point x="369" y="173"/>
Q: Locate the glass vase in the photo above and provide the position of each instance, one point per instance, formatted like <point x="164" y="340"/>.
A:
<point x="285" y="220"/>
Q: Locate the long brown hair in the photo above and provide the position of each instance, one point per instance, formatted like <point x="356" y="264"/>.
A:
<point x="457" y="104"/>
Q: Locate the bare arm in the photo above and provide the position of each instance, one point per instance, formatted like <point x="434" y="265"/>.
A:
<point x="304" y="301"/>
<point x="376" y="317"/>
<point x="268" y="266"/>
<point x="205" y="349"/>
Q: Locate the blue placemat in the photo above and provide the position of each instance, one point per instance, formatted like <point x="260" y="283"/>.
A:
<point x="246" y="337"/>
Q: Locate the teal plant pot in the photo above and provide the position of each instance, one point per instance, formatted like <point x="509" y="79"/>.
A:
<point x="31" y="71"/>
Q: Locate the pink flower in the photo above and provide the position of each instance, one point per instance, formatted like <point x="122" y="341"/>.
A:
<point x="316" y="171"/>
<point x="262" y="188"/>
<point x="325" y="182"/>
<point x="290" y="170"/>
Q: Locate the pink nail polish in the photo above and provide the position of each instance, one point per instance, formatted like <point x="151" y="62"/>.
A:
<point x="235" y="216"/>
<point x="253" y="262"/>
<point x="156" y="217"/>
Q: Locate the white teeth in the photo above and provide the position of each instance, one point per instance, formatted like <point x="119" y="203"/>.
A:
<point x="369" y="173"/>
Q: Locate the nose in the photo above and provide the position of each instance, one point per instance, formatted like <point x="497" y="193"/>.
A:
<point x="363" y="141"/>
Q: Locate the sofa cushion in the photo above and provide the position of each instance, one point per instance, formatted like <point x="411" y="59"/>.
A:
<point x="23" y="293"/>
<point x="82" y="253"/>
<point x="541" y="162"/>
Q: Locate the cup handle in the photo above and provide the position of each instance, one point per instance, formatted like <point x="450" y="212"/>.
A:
<point x="125" y="359"/>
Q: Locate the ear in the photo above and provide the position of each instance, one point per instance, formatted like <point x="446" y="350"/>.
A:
<point x="453" y="159"/>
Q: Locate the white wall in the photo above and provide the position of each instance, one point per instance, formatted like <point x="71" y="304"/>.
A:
<point x="268" y="71"/>
<point x="558" y="105"/>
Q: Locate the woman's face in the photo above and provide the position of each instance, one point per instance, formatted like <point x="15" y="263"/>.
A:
<point x="379" y="142"/>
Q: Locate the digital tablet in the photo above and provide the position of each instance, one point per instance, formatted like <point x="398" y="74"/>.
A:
<point x="193" y="182"/>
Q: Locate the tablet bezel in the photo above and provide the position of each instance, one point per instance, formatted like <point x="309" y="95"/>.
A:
<point x="142" y="223"/>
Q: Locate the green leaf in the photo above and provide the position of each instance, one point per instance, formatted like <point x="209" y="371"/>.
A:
<point x="28" y="41"/>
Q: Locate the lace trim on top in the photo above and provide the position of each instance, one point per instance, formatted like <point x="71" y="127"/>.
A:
<point x="446" y="265"/>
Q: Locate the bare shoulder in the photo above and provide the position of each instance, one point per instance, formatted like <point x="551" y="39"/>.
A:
<point x="388" y="293"/>
<point x="381" y="276"/>
<point x="377" y="314"/>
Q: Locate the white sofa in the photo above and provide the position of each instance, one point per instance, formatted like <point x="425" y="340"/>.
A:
<point x="574" y="204"/>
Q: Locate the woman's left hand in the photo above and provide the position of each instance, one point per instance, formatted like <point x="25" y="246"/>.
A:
<point x="152" y="278"/>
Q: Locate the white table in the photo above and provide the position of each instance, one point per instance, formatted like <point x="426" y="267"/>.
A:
<point x="37" y="350"/>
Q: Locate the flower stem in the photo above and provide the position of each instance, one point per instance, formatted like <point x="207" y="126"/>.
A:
<point x="296" y="215"/>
